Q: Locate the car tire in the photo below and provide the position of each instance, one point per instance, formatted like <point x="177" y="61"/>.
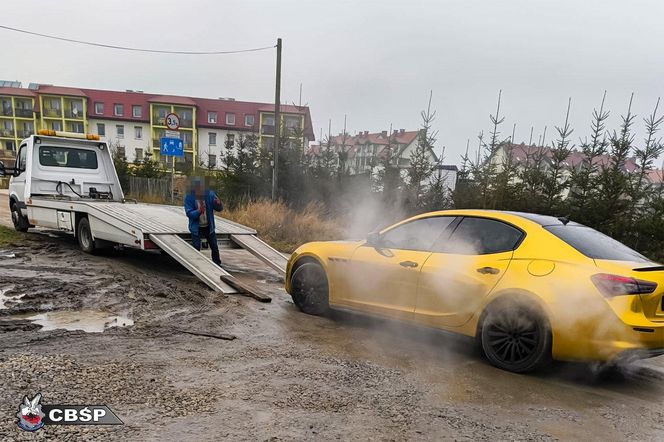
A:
<point x="84" y="235"/>
<point x="310" y="289"/>
<point x="20" y="222"/>
<point x="515" y="337"/>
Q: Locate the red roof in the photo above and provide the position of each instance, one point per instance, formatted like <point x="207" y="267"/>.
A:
<point x="59" y="90"/>
<point x="172" y="99"/>
<point x="17" y="91"/>
<point x="522" y="153"/>
<point x="110" y="98"/>
<point x="656" y="176"/>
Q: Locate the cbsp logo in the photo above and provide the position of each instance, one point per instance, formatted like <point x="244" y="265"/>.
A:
<point x="32" y="415"/>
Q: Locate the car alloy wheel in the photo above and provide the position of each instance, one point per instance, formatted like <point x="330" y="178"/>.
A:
<point x="309" y="288"/>
<point x="516" y="338"/>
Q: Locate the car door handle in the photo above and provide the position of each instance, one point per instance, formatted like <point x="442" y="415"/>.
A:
<point x="488" y="270"/>
<point x="412" y="264"/>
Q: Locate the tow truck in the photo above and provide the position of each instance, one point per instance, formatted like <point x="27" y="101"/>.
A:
<point x="67" y="181"/>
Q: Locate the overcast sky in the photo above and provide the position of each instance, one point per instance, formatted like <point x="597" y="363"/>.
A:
<point x="372" y="60"/>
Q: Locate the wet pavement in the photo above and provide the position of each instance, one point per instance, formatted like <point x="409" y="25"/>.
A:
<point x="287" y="376"/>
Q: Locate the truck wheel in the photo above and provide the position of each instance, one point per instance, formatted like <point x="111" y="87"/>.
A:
<point x="20" y="222"/>
<point x="309" y="289"/>
<point x="84" y="235"/>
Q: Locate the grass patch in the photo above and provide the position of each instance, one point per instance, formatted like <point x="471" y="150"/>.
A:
<point x="284" y="228"/>
<point x="10" y="236"/>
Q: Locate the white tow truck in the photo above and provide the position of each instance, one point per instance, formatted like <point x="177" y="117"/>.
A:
<point x="67" y="181"/>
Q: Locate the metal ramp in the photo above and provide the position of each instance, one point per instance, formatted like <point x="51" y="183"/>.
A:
<point x="197" y="263"/>
<point x="262" y="251"/>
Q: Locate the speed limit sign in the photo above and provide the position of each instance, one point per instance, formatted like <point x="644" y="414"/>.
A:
<point x="172" y="121"/>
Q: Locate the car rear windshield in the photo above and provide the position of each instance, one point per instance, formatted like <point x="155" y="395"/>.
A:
<point x="67" y="157"/>
<point x="594" y="244"/>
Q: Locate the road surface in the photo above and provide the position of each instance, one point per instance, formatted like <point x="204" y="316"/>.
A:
<point x="286" y="376"/>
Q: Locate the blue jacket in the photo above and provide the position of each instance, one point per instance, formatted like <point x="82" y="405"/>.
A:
<point x="191" y="210"/>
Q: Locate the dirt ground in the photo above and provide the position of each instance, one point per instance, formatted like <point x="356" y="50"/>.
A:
<point x="287" y="376"/>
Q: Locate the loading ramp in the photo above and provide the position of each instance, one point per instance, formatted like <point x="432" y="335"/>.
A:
<point x="194" y="261"/>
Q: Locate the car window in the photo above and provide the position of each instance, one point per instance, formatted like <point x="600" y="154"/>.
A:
<point x="419" y="234"/>
<point x="594" y="244"/>
<point x="481" y="236"/>
<point x="67" y="157"/>
<point x="21" y="158"/>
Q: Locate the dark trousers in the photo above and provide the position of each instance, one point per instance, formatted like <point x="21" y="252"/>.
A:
<point x="204" y="232"/>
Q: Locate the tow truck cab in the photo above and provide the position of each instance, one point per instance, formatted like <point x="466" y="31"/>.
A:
<point x="60" y="166"/>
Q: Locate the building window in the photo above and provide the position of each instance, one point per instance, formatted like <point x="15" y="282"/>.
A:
<point x="7" y="107"/>
<point x="121" y="151"/>
<point x="56" y="125"/>
<point x="137" y="111"/>
<point x="293" y="123"/>
<point x="101" y="129"/>
<point x="212" y="138"/>
<point x="138" y="132"/>
<point x="120" y="130"/>
<point x="55" y="103"/>
<point x="212" y="161"/>
<point x="248" y="120"/>
<point x="76" y="109"/>
<point x="230" y="119"/>
<point x="99" y="108"/>
<point x="212" y="117"/>
<point x="118" y="110"/>
<point x="139" y="155"/>
<point x="230" y="141"/>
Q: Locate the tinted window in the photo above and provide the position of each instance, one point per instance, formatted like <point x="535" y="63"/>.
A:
<point x="21" y="158"/>
<point x="481" y="236"/>
<point x="416" y="235"/>
<point x="594" y="244"/>
<point x="67" y="157"/>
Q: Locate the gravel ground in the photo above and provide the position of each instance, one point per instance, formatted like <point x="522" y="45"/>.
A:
<point x="287" y="376"/>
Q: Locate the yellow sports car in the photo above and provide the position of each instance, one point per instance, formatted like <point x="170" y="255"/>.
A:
<point x="528" y="287"/>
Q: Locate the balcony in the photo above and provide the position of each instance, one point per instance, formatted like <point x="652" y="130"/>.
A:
<point x="7" y="133"/>
<point x="7" y="112"/>
<point x="187" y="124"/>
<point x="74" y="114"/>
<point x="52" y="113"/>
<point x="23" y="113"/>
<point x="24" y="133"/>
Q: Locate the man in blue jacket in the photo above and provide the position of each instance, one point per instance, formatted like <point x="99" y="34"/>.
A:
<point x="199" y="205"/>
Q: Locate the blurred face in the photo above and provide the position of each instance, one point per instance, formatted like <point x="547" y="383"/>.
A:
<point x="198" y="188"/>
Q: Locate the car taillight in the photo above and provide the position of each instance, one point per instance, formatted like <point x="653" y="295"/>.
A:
<point x="615" y="285"/>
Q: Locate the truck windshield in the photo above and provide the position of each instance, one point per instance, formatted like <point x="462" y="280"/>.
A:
<point x="67" y="157"/>
<point x="594" y="244"/>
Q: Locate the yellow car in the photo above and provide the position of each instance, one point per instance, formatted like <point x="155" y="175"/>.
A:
<point x="528" y="287"/>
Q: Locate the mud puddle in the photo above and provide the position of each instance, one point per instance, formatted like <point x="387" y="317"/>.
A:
<point x="5" y="298"/>
<point x="89" y="321"/>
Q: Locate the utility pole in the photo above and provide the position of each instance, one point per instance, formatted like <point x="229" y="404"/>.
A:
<point x="277" y="122"/>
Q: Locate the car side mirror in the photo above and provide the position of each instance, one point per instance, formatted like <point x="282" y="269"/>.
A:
<point x="374" y="239"/>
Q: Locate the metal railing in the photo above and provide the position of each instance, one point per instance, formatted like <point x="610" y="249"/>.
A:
<point x="48" y="112"/>
<point x="23" y="113"/>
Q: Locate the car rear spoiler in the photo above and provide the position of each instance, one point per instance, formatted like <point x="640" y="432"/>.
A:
<point x="649" y="269"/>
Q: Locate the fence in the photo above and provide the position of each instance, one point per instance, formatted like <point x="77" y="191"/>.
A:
<point x="154" y="190"/>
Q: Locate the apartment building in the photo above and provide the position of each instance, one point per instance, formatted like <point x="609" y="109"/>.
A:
<point x="366" y="152"/>
<point x="133" y="121"/>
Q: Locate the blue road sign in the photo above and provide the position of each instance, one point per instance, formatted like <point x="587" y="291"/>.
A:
<point x="171" y="146"/>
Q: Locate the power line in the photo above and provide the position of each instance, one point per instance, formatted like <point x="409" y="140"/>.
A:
<point x="125" y="48"/>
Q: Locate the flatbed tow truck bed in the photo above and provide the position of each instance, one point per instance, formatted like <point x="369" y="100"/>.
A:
<point x="154" y="226"/>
